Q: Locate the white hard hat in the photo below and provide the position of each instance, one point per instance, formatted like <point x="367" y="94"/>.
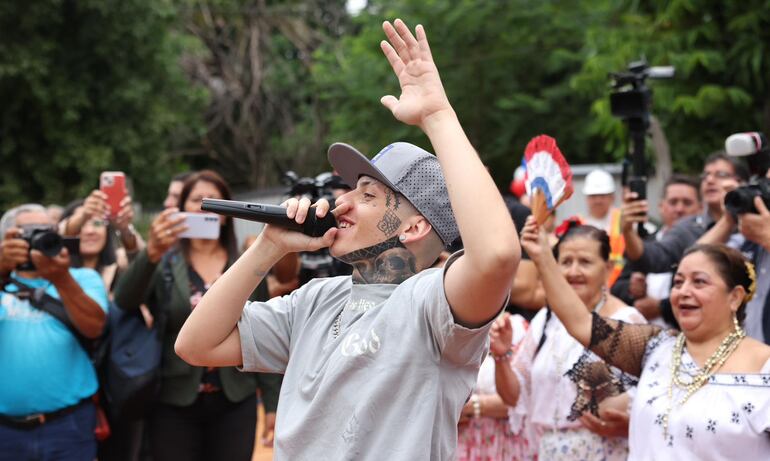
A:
<point x="598" y="182"/>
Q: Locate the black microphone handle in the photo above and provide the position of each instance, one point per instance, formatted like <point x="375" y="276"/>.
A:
<point x="270" y="214"/>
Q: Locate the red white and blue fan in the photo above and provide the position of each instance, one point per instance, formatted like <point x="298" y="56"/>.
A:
<point x="549" y="177"/>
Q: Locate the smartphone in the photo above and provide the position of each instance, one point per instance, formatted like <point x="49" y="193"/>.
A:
<point x="200" y="225"/>
<point x="638" y="185"/>
<point x="113" y="183"/>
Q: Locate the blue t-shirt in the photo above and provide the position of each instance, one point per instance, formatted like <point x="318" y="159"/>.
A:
<point x="44" y="367"/>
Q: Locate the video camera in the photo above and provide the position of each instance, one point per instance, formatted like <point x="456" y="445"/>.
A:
<point x="631" y="98"/>
<point x="317" y="264"/>
<point x="42" y="238"/>
<point x="322" y="186"/>
<point x="754" y="148"/>
<point x="631" y="101"/>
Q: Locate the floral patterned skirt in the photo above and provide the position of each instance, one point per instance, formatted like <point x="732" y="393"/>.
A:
<point x="489" y="439"/>
<point x="581" y="445"/>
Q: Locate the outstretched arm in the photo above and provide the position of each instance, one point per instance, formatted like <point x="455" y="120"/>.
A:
<point x="479" y="282"/>
<point x="562" y="299"/>
<point x="210" y="335"/>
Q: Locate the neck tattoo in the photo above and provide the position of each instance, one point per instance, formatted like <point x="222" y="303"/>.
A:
<point x="386" y="262"/>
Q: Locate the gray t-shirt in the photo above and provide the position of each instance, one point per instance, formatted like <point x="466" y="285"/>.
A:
<point x="390" y="386"/>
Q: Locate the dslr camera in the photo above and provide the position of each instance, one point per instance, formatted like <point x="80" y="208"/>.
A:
<point x="42" y="238"/>
<point x="754" y="148"/>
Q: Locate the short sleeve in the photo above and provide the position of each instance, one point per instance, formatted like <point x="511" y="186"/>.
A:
<point x="265" y="331"/>
<point x="457" y="344"/>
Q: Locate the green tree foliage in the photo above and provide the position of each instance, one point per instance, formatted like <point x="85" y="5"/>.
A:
<point x="722" y="58"/>
<point x="506" y="67"/>
<point x="255" y="62"/>
<point x="86" y="86"/>
<point x="519" y="68"/>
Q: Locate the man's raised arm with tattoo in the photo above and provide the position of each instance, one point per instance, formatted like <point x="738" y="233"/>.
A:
<point x="396" y="345"/>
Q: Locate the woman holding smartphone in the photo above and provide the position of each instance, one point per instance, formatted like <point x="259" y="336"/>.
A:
<point x="202" y="413"/>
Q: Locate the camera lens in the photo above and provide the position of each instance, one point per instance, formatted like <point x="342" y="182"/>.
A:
<point x="49" y="243"/>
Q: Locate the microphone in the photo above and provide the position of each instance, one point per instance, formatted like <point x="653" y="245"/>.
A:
<point x="270" y="214"/>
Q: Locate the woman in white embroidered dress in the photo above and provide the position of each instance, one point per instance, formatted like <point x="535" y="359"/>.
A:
<point x="703" y="393"/>
<point x="536" y="385"/>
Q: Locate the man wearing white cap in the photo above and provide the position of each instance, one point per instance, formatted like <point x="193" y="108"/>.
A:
<point x="377" y="365"/>
<point x="599" y="189"/>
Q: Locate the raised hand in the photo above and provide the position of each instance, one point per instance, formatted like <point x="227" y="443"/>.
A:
<point x="125" y="215"/>
<point x="14" y="251"/>
<point x="95" y="205"/>
<point x="501" y="335"/>
<point x="633" y="211"/>
<point x="164" y="233"/>
<point x="534" y="240"/>
<point x="422" y="94"/>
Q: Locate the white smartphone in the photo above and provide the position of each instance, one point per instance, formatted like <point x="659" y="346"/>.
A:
<point x="200" y="225"/>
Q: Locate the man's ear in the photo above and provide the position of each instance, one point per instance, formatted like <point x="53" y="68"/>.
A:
<point x="415" y="229"/>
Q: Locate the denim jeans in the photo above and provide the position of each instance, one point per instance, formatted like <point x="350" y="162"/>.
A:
<point x="70" y="437"/>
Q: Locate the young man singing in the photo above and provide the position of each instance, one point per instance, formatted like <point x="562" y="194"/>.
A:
<point x="378" y="364"/>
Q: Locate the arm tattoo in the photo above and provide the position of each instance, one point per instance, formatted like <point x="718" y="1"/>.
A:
<point x="386" y="262"/>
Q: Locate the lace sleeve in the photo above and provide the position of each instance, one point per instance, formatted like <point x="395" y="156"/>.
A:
<point x="621" y="344"/>
<point x="612" y="364"/>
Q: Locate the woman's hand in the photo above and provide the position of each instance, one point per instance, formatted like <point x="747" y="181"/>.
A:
<point x="611" y="423"/>
<point x="125" y="215"/>
<point x="164" y="233"/>
<point x="95" y="205"/>
<point x="534" y="240"/>
<point x="501" y="335"/>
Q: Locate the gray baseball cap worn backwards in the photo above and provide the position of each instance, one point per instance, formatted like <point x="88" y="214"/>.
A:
<point x="408" y="170"/>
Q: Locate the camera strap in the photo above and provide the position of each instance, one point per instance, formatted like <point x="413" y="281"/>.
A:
<point x="41" y="300"/>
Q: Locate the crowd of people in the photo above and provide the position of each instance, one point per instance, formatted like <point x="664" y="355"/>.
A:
<point x="585" y="339"/>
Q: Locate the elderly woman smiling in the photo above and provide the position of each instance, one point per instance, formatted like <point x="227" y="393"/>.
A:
<point x="536" y="384"/>
<point x="704" y="392"/>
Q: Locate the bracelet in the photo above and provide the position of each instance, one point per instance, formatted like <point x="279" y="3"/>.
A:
<point x="476" y="402"/>
<point x="507" y="356"/>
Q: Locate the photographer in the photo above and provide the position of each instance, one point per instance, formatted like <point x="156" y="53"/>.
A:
<point x="45" y="399"/>
<point x="755" y="227"/>
<point x="649" y="292"/>
<point x="720" y="175"/>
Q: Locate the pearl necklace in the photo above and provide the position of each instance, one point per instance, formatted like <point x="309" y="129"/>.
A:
<point x="714" y="363"/>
